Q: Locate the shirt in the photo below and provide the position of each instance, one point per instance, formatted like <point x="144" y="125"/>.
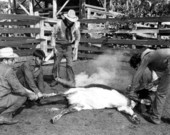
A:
<point x="59" y="33"/>
<point x="9" y="82"/>
<point x="29" y="74"/>
<point x="156" y="61"/>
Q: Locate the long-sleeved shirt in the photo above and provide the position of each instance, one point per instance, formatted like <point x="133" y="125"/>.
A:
<point x="59" y="33"/>
<point x="29" y="74"/>
<point x="9" y="82"/>
<point x="156" y="60"/>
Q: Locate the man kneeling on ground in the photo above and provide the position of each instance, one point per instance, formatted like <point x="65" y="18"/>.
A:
<point x="30" y="73"/>
<point x="145" y="89"/>
<point x="158" y="61"/>
<point x="12" y="93"/>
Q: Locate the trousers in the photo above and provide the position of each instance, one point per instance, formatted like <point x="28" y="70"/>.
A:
<point x="10" y="103"/>
<point x="63" y="51"/>
<point x="162" y="93"/>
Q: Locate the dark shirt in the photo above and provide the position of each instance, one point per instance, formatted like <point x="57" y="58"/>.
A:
<point x="9" y="82"/>
<point x="156" y="61"/>
<point x="31" y="76"/>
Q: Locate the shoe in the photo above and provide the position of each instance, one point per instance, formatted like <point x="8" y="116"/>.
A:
<point x="154" y="120"/>
<point x="54" y="83"/>
<point x="7" y="121"/>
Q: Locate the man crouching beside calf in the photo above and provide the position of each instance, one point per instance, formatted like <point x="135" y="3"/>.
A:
<point x="12" y="94"/>
<point x="158" y="61"/>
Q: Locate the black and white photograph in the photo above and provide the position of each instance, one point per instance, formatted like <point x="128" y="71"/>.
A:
<point x="84" y="67"/>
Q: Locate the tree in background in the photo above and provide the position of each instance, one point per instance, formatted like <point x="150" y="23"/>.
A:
<point x="140" y="8"/>
<point x="3" y="6"/>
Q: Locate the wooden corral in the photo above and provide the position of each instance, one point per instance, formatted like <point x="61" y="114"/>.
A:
<point x="47" y="11"/>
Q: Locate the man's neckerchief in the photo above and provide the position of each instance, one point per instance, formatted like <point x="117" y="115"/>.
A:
<point x="68" y="33"/>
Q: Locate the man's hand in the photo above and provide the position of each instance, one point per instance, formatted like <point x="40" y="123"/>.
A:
<point x="133" y="96"/>
<point x="149" y="86"/>
<point x="39" y="94"/>
<point x="131" y="93"/>
<point x="31" y="95"/>
<point x="75" y="53"/>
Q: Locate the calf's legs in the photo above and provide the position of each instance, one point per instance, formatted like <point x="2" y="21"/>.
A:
<point x="61" y="113"/>
<point x="128" y="110"/>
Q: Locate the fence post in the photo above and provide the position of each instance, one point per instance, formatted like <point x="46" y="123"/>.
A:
<point x="54" y="9"/>
<point x="158" y="35"/>
<point x="134" y="38"/>
<point x="43" y="44"/>
<point x="31" y="7"/>
<point x="82" y="11"/>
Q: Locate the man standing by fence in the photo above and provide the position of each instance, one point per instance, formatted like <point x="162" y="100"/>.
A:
<point x="67" y="33"/>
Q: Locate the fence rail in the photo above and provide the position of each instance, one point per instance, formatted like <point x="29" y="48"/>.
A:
<point x="127" y="20"/>
<point x="19" y="32"/>
<point x="20" y="17"/>
<point x="22" y="25"/>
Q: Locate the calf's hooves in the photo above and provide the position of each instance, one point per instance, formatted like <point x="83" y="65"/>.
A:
<point x="55" y="118"/>
<point x="52" y="121"/>
<point x="135" y="119"/>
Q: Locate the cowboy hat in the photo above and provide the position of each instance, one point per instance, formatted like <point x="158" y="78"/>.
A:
<point x="71" y="15"/>
<point x="7" y="52"/>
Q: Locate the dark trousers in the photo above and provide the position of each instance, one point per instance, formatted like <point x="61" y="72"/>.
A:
<point x="162" y="93"/>
<point x="63" y="51"/>
<point x="10" y="104"/>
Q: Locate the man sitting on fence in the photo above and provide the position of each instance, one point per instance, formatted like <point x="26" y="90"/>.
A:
<point x="67" y="33"/>
<point x="12" y="93"/>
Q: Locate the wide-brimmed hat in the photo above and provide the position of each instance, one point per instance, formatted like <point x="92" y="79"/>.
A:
<point x="7" y="52"/>
<point x="71" y="15"/>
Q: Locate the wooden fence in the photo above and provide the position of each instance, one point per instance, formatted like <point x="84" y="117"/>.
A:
<point x="24" y="33"/>
<point x="19" y="32"/>
<point x="149" y="32"/>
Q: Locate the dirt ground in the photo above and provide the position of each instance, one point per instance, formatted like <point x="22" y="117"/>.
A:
<point x="36" y="120"/>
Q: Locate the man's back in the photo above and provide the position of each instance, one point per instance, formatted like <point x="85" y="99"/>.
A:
<point x="157" y="60"/>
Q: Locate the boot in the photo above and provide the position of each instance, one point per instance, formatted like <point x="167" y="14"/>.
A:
<point x="153" y="119"/>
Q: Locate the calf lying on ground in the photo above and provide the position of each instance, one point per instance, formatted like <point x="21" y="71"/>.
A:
<point x="95" y="98"/>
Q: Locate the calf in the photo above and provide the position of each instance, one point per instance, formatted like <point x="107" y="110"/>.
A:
<point x="89" y="98"/>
